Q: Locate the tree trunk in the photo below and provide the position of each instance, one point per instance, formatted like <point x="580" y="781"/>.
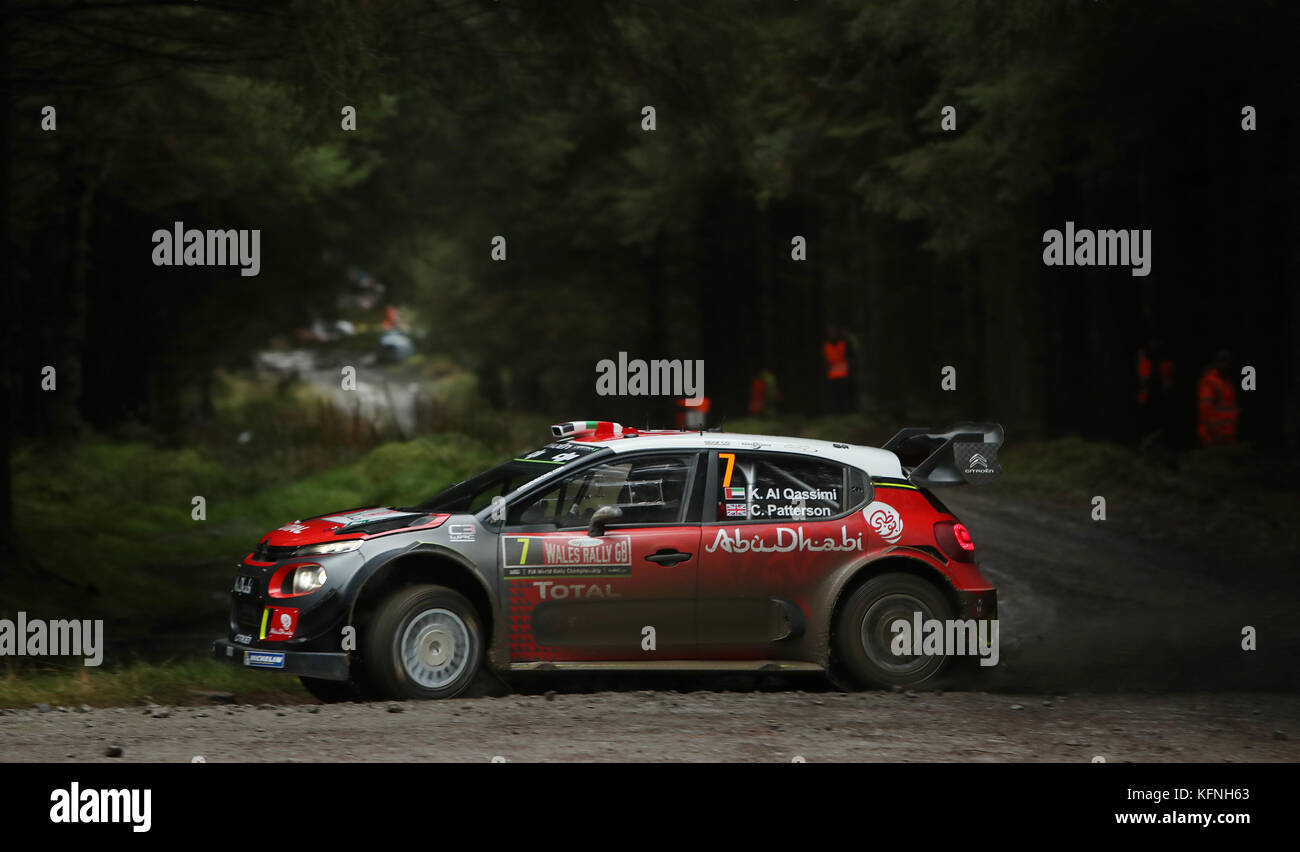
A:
<point x="65" y="401"/>
<point x="8" y="324"/>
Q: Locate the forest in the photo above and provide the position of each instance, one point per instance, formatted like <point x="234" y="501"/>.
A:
<point x="716" y="182"/>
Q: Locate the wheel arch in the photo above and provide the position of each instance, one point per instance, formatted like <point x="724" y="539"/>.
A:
<point x="427" y="565"/>
<point x="916" y="564"/>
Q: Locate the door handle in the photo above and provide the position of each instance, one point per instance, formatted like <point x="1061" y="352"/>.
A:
<point x="667" y="556"/>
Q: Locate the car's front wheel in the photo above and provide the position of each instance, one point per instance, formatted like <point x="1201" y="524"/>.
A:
<point x="867" y="638"/>
<point x="424" y="642"/>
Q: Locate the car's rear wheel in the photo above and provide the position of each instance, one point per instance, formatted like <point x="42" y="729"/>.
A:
<point x="424" y="642"/>
<point x="865" y="636"/>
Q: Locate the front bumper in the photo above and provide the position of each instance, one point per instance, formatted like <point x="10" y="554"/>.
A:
<point x="326" y="665"/>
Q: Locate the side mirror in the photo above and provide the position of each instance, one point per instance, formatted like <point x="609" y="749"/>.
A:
<point x="604" y="515"/>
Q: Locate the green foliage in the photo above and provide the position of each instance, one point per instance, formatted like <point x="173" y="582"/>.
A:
<point x="113" y="521"/>
<point x="171" y="683"/>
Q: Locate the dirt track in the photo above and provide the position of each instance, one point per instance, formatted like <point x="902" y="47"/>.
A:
<point x="1133" y="602"/>
<point x="698" y="726"/>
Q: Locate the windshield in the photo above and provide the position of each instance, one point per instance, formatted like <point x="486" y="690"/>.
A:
<point x="476" y="493"/>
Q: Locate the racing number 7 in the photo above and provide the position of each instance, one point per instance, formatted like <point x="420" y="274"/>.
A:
<point x="523" y="556"/>
<point x="731" y="463"/>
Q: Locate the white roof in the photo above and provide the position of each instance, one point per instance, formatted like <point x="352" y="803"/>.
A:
<point x="874" y="461"/>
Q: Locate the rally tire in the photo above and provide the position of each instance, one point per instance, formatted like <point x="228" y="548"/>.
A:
<point x="863" y="637"/>
<point x="424" y="642"/>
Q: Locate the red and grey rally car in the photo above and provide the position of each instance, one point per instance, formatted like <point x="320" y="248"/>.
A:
<point x="619" y="549"/>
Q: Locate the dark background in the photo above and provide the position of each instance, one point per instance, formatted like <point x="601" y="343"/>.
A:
<point x="774" y="119"/>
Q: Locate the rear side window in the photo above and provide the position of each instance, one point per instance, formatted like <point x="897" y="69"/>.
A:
<point x="763" y="487"/>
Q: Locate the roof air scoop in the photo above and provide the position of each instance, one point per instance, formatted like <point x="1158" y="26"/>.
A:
<point x="592" y="429"/>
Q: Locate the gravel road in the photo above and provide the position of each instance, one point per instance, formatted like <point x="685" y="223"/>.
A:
<point x="640" y="725"/>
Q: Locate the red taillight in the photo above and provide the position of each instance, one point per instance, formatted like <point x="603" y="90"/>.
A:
<point x="955" y="540"/>
<point x="963" y="537"/>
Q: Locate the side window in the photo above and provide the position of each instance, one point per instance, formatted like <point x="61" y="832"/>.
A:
<point x="759" y="487"/>
<point x="649" y="490"/>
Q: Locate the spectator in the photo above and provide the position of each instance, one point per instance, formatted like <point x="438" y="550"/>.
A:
<point x="838" y="357"/>
<point x="1216" y="401"/>
<point x="763" y="393"/>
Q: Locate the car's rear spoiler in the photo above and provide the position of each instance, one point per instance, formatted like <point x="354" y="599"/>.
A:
<point x="968" y="452"/>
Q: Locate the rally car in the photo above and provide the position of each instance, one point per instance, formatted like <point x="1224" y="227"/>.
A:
<point x="617" y="549"/>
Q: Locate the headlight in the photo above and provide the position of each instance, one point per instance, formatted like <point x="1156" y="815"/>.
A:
<point x="308" y="578"/>
<point x="329" y="548"/>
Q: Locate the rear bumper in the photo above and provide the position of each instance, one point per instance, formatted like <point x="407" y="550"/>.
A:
<point x="981" y="606"/>
<point x="317" y="664"/>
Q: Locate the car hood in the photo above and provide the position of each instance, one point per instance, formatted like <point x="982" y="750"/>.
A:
<point x="351" y="523"/>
